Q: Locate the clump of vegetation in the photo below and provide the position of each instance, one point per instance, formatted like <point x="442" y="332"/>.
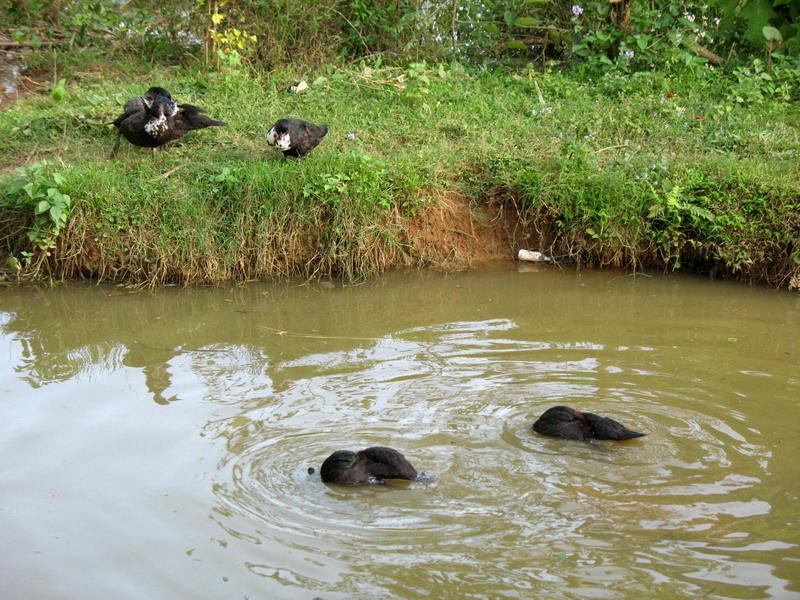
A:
<point x="271" y="33"/>
<point x="34" y="203"/>
<point x="717" y="217"/>
<point x="644" y="170"/>
<point x="623" y="134"/>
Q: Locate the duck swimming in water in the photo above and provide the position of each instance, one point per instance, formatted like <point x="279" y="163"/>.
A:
<point x="371" y="465"/>
<point x="294" y="137"/>
<point x="161" y="122"/>
<point x="568" y="423"/>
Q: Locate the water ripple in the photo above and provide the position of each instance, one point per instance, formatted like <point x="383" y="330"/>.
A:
<point x="458" y="400"/>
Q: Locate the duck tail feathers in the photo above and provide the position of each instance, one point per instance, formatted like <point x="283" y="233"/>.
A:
<point x="198" y="121"/>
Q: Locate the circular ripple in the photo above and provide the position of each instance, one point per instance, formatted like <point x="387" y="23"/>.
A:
<point x="459" y="401"/>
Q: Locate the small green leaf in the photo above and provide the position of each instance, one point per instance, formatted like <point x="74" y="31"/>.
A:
<point x="516" y="45"/>
<point x="55" y="214"/>
<point x="58" y="178"/>
<point x="59" y="91"/>
<point x="526" y="22"/>
<point x="15" y="185"/>
<point x="13" y="264"/>
<point x="756" y="13"/>
<point x="771" y="34"/>
<point x="42" y="207"/>
<point x="510" y="17"/>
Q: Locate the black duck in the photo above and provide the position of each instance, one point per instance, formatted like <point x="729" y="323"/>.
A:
<point x="294" y="137"/>
<point x="136" y="104"/>
<point x="371" y="465"/>
<point x="162" y="122"/>
<point x="568" y="423"/>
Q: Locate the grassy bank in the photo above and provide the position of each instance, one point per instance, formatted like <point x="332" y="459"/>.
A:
<point x="698" y="171"/>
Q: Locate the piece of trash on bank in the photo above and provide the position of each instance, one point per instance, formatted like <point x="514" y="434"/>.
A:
<point x="300" y="86"/>
<point x="532" y="256"/>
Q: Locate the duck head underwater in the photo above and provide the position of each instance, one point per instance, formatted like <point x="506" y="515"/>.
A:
<point x="568" y="423"/>
<point x="294" y="137"/>
<point x="156" y="119"/>
<point x="371" y="465"/>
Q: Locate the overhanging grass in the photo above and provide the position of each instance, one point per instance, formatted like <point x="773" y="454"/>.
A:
<point x="638" y="171"/>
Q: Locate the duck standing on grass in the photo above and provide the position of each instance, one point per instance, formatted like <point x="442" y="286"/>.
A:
<point x="371" y="465"/>
<point x="136" y="104"/>
<point x="568" y="423"/>
<point x="160" y="122"/>
<point x="294" y="137"/>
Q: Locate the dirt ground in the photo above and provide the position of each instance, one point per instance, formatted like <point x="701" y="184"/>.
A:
<point x="454" y="233"/>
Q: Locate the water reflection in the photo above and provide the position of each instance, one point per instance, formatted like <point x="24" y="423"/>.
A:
<point x="451" y="371"/>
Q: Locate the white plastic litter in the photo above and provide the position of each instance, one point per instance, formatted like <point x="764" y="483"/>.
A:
<point x="301" y="86"/>
<point x="532" y="256"/>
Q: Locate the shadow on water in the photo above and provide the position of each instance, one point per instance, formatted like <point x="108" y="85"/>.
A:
<point x="252" y="385"/>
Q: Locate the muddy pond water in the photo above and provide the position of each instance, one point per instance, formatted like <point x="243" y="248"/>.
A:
<point x="156" y="444"/>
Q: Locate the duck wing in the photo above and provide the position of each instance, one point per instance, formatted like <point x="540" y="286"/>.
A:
<point x="603" y="428"/>
<point x="132" y="128"/>
<point x="386" y="463"/>
<point x="305" y="137"/>
<point x="191" y="117"/>
<point x="572" y="430"/>
<point x="125" y="116"/>
<point x="564" y="422"/>
<point x="134" y="104"/>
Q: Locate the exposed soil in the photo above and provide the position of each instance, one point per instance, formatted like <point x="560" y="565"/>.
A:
<point x="451" y="233"/>
<point x="454" y="233"/>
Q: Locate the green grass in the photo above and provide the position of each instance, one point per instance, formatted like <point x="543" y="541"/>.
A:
<point x="638" y="170"/>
